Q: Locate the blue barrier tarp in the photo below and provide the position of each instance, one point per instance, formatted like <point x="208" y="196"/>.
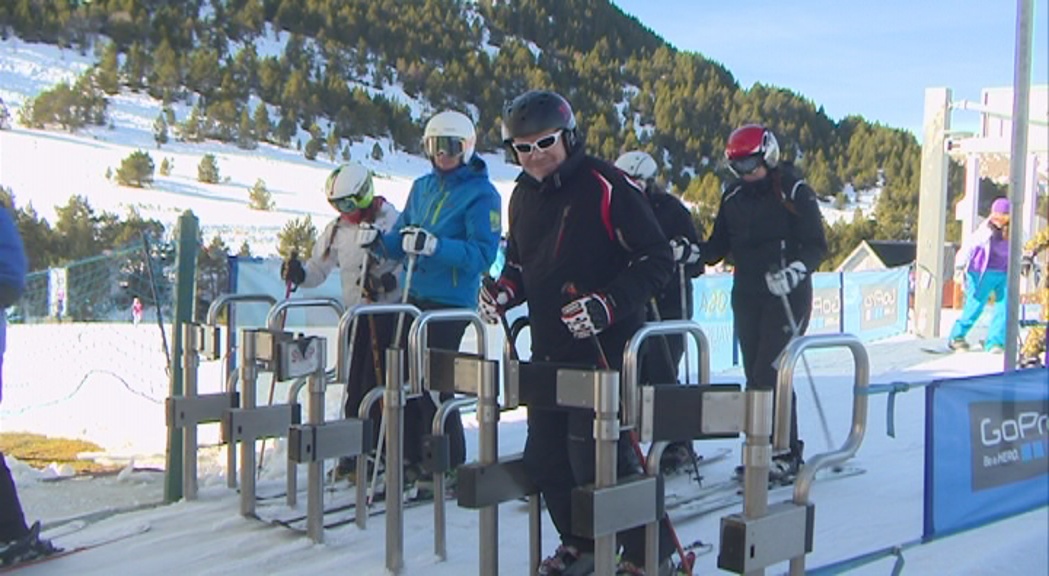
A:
<point x="986" y="450"/>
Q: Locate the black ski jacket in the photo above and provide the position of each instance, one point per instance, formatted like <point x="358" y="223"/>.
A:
<point x="675" y="220"/>
<point x="585" y="225"/>
<point x="765" y="225"/>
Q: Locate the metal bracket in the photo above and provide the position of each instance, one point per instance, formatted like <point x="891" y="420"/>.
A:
<point x="185" y="411"/>
<point x="246" y="425"/>
<point x="315" y="442"/>
<point x="750" y="544"/>
<point x="634" y="501"/>
<point x="482" y="485"/>
<point x="674" y="413"/>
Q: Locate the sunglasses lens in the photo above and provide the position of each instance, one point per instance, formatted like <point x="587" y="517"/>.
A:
<point x="746" y="165"/>
<point x="447" y="145"/>
<point x="544" y="143"/>
<point x="523" y="148"/>
<point x="346" y="204"/>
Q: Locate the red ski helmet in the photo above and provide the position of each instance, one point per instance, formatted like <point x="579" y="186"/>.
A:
<point x="748" y="147"/>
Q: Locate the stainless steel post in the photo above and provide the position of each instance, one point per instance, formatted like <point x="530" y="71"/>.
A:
<point x="606" y="435"/>
<point x="214" y="310"/>
<point x="249" y="374"/>
<point x="488" y="453"/>
<point x="315" y="469"/>
<point x="757" y="455"/>
<point x="190" y="364"/>
<point x="393" y="412"/>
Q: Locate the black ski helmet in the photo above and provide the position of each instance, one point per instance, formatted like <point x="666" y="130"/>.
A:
<point x="537" y="111"/>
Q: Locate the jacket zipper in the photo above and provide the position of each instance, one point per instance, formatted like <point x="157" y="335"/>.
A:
<point x="561" y="230"/>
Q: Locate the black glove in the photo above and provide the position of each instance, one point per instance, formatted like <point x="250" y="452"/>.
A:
<point x="291" y="270"/>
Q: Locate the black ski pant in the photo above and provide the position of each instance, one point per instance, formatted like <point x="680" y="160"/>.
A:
<point x="12" y="521"/>
<point x="419" y="412"/>
<point x="764" y="331"/>
<point x="559" y="456"/>
<point x="363" y="376"/>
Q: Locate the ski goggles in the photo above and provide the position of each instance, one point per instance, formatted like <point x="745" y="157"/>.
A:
<point x="543" y="143"/>
<point x="349" y="203"/>
<point x="447" y="145"/>
<point x="745" y="165"/>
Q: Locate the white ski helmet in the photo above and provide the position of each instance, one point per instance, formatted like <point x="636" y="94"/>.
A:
<point x="450" y="132"/>
<point x="638" y="165"/>
<point x="349" y="187"/>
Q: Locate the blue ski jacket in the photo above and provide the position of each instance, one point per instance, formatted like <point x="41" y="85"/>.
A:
<point x="462" y="209"/>
<point x="12" y="271"/>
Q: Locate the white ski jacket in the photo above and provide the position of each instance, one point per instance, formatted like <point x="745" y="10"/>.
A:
<point x="337" y="246"/>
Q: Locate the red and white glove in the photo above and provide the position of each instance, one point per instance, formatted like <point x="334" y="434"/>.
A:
<point x="782" y="282"/>
<point x="588" y="315"/>
<point x="493" y="299"/>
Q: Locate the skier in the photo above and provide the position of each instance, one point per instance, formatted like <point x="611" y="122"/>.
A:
<point x="981" y="265"/>
<point x="770" y="223"/>
<point x="451" y="225"/>
<point x="659" y="364"/>
<point x="586" y="253"/>
<point x="136" y="311"/>
<point x="351" y="192"/>
<point x="18" y="542"/>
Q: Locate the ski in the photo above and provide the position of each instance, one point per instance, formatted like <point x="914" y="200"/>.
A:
<point x="729" y="493"/>
<point x="348" y="515"/>
<point x="89" y="544"/>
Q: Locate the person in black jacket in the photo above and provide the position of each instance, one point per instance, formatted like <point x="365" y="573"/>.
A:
<point x="586" y="253"/>
<point x="770" y="223"/>
<point x="663" y="355"/>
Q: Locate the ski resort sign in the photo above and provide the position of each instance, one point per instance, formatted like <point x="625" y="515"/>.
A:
<point x="987" y="449"/>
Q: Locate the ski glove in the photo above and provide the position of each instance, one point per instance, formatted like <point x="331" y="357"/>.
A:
<point x="685" y="252"/>
<point x="367" y="235"/>
<point x="415" y="240"/>
<point x="493" y="299"/>
<point x="587" y="316"/>
<point x="782" y="282"/>
<point x="291" y="270"/>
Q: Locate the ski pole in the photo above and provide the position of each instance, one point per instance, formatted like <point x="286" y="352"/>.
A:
<point x="397" y="343"/>
<point x="684" y="314"/>
<point x="570" y="289"/>
<point x="289" y="287"/>
<point x="808" y="372"/>
<point x="489" y="284"/>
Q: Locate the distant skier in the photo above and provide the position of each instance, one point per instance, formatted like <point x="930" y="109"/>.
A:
<point x="981" y="265"/>
<point x="18" y="542"/>
<point x="136" y="311"/>
<point x="677" y="225"/>
<point x="770" y="223"/>
<point x="351" y="191"/>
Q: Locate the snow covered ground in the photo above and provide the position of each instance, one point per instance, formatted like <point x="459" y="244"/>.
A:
<point x="880" y="508"/>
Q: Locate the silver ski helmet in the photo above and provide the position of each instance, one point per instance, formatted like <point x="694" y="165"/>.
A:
<point x="638" y="165"/>
<point x="349" y="188"/>
<point x="451" y="133"/>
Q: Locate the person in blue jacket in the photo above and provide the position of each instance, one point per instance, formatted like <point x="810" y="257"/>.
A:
<point x="18" y="542"/>
<point x="451" y="224"/>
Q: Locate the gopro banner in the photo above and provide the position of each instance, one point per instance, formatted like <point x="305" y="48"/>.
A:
<point x="712" y="310"/>
<point x="875" y="303"/>
<point x="826" y="303"/>
<point x="986" y="449"/>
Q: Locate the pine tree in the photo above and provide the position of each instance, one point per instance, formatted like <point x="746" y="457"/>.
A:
<point x="376" y="152"/>
<point x="160" y="130"/>
<point x="297" y="236"/>
<point x="108" y="74"/>
<point x="245" y="250"/>
<point x="208" y="170"/>
<point x="262" y="123"/>
<point x="312" y="148"/>
<point x="136" y="170"/>
<point x="333" y="144"/>
<point x="5" y="116"/>
<point x="259" y="197"/>
<point x="165" y="167"/>
<point x="246" y="138"/>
